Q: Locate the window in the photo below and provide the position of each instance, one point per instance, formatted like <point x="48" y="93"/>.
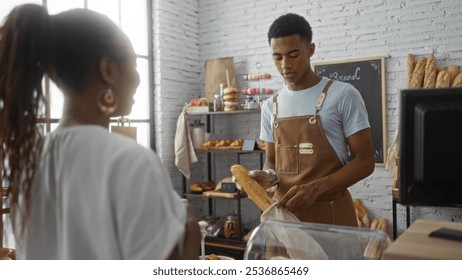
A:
<point x="133" y="18"/>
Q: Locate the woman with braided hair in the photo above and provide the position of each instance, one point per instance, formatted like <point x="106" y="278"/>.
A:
<point x="81" y="192"/>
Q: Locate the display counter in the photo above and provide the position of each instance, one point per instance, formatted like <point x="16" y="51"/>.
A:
<point x="415" y="243"/>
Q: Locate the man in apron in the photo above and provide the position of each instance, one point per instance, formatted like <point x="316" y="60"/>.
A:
<point x="310" y="126"/>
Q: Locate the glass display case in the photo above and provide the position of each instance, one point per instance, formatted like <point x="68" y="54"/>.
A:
<point x="276" y="240"/>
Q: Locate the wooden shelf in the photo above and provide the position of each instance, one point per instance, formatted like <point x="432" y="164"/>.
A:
<point x="238" y="112"/>
<point x="235" y="151"/>
<point x="215" y="194"/>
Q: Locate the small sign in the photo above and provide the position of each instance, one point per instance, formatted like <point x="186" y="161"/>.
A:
<point x="249" y="145"/>
<point x="228" y="187"/>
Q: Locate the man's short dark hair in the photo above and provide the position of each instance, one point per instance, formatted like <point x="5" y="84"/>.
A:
<point x="290" y="24"/>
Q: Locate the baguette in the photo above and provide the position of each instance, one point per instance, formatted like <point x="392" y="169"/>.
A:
<point x="374" y="249"/>
<point x="457" y="81"/>
<point x="410" y="68"/>
<point x="430" y="72"/>
<point x="453" y="71"/>
<point x="419" y="73"/>
<point x="361" y="214"/>
<point x="380" y="224"/>
<point x="442" y="80"/>
<point x="255" y="192"/>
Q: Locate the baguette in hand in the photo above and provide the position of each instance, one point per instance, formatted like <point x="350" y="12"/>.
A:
<point x="255" y="192"/>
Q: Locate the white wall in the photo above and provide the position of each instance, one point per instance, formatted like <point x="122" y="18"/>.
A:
<point x="193" y="31"/>
<point x="176" y="69"/>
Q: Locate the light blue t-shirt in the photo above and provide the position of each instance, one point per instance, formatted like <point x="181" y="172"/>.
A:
<point x="342" y="114"/>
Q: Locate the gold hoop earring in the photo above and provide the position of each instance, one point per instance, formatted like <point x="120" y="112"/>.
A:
<point x="107" y="102"/>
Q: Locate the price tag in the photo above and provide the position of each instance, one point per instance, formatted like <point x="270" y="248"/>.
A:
<point x="249" y="145"/>
<point x="228" y="187"/>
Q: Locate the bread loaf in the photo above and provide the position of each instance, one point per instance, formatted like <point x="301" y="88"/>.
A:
<point x="255" y="192"/>
<point x="442" y="80"/>
<point x="374" y="249"/>
<point x="410" y="68"/>
<point x="361" y="214"/>
<point x="453" y="71"/>
<point x="195" y="188"/>
<point x="457" y="81"/>
<point x="380" y="224"/>
<point x="430" y="72"/>
<point x="419" y="73"/>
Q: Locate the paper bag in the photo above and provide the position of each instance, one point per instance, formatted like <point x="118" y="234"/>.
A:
<point x="296" y="243"/>
<point x="215" y="74"/>
<point x="126" y="130"/>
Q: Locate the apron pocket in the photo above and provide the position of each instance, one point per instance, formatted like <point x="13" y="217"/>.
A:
<point x="287" y="159"/>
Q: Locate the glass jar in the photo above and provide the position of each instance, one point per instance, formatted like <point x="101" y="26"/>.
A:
<point x="217" y="103"/>
<point x="231" y="227"/>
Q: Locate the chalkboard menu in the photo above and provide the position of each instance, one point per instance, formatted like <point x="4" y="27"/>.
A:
<point x="367" y="75"/>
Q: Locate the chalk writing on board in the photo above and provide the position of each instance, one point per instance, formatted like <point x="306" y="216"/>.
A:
<point x="346" y="78"/>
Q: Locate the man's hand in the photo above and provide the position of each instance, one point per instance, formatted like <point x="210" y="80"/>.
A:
<point x="299" y="197"/>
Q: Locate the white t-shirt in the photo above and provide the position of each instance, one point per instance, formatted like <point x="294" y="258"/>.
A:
<point x="342" y="114"/>
<point x="102" y="196"/>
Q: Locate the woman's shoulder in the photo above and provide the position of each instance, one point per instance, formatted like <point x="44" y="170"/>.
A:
<point x="100" y="141"/>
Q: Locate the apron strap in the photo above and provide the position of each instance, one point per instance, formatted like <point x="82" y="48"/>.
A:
<point x="322" y="96"/>
<point x="320" y="101"/>
<point x="318" y="106"/>
<point x="275" y="110"/>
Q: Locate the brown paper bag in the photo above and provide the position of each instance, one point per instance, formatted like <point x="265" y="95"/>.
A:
<point x="215" y="74"/>
<point x="126" y="130"/>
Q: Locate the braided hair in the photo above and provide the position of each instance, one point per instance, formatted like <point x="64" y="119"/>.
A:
<point x="32" y="44"/>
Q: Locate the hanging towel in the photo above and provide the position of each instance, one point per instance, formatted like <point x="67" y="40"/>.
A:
<point x="184" y="149"/>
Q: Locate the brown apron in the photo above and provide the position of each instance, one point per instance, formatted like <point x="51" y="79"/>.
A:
<point x="303" y="154"/>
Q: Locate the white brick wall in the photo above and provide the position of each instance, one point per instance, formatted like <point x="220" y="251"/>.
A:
<point x="190" y="32"/>
<point x="177" y="70"/>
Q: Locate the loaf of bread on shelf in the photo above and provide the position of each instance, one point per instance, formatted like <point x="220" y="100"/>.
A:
<point x="207" y="186"/>
<point x="453" y="71"/>
<point x="261" y="145"/>
<point x="443" y="79"/>
<point x="223" y="143"/>
<point x="254" y="191"/>
<point x="209" y="143"/>
<point x="419" y="73"/>
<point x="457" y="81"/>
<point x="202" y="187"/>
<point x="430" y="72"/>
<point x="237" y="143"/>
<point x="410" y="68"/>
<point x="195" y="188"/>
